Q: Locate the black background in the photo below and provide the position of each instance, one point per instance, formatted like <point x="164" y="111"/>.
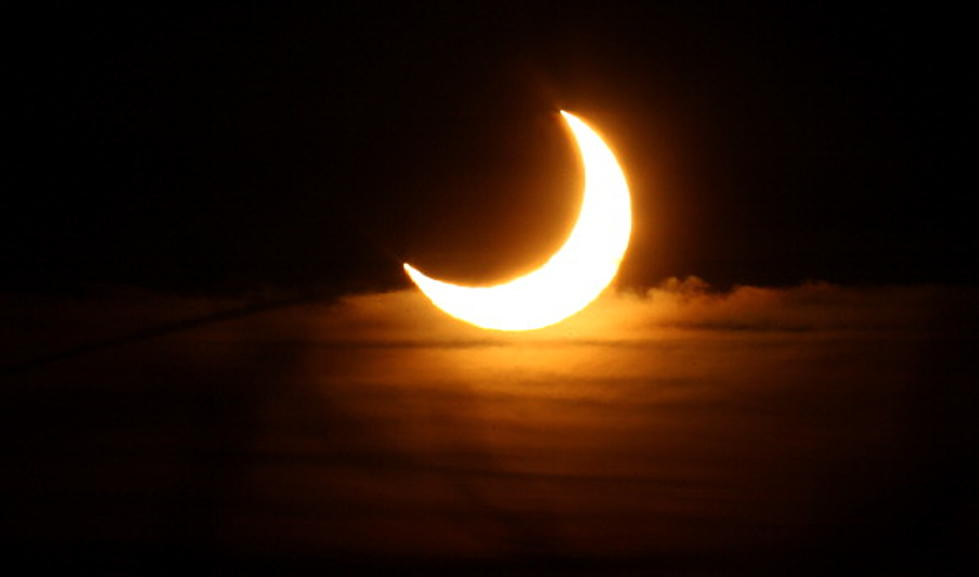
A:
<point x="233" y="148"/>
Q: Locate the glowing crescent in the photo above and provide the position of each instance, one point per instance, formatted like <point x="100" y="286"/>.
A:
<point x="574" y="276"/>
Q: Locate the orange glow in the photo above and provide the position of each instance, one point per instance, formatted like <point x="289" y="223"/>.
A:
<point x="574" y="276"/>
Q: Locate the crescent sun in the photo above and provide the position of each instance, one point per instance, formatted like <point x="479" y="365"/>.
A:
<point x="574" y="276"/>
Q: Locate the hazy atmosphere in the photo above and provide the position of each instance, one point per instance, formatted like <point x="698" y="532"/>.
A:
<point x="800" y="430"/>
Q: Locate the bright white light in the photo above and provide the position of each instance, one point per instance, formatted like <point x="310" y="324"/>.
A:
<point x="574" y="276"/>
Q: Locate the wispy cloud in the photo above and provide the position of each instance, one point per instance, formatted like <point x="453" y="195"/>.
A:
<point x="677" y="420"/>
<point x="675" y="304"/>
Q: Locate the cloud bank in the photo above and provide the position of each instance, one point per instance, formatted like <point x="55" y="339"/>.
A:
<point x="674" y="425"/>
<point x="678" y="304"/>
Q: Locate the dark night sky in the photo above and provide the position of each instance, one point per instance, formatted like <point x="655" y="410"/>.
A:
<point x="241" y="147"/>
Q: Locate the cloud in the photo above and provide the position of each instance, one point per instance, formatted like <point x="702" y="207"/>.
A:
<point x="675" y="305"/>
<point x="38" y="328"/>
<point x="676" y="420"/>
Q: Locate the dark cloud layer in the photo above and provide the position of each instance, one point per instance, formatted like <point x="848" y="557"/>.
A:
<point x="798" y="430"/>
<point x="687" y="304"/>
